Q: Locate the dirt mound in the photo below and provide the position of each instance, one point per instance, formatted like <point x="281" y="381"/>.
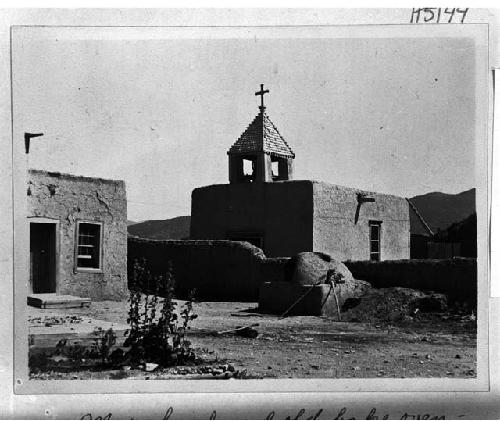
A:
<point x="310" y="268"/>
<point x="352" y="290"/>
<point x="391" y="305"/>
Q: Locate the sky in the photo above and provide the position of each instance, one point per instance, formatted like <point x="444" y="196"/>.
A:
<point x="392" y="115"/>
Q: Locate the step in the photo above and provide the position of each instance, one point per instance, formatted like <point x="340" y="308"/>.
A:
<point x="57" y="301"/>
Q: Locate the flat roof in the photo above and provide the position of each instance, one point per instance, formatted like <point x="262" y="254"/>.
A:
<point x="57" y="174"/>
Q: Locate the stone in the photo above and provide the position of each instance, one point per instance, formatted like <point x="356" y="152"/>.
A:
<point x="247" y="332"/>
<point x="150" y="366"/>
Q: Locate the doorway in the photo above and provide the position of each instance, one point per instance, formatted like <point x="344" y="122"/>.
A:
<point x="43" y="257"/>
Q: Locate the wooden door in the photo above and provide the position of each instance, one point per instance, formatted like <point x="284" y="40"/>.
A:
<point x="42" y="258"/>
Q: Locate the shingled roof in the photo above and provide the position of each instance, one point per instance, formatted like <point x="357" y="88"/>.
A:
<point x="262" y="136"/>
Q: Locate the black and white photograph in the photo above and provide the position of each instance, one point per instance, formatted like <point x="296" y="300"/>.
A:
<point x="287" y="207"/>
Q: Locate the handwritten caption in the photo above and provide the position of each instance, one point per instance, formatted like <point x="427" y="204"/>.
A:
<point x="302" y="414"/>
<point x="438" y="15"/>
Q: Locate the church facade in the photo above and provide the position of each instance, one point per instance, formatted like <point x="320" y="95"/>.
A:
<point x="263" y="205"/>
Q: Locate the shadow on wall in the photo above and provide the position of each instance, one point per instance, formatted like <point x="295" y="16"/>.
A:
<point x="218" y="269"/>
<point x="457" y="277"/>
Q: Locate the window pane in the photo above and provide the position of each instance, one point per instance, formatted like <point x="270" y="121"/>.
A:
<point x="374" y="241"/>
<point x="88" y="247"/>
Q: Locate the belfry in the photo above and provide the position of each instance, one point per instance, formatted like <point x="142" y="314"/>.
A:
<point x="260" y="154"/>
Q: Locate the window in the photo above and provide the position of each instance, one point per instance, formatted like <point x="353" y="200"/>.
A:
<point x="275" y="169"/>
<point x="249" y="169"/>
<point x="375" y="240"/>
<point x="88" y="247"/>
<point x="279" y="168"/>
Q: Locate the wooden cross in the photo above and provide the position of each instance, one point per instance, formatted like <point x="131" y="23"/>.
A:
<point x="261" y="93"/>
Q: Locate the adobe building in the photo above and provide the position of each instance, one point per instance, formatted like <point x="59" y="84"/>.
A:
<point x="420" y="234"/>
<point x="264" y="206"/>
<point x="78" y="236"/>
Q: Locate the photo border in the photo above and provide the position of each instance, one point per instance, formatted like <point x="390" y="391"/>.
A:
<point x="22" y="384"/>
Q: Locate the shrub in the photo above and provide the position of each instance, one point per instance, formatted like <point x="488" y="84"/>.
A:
<point x="157" y="332"/>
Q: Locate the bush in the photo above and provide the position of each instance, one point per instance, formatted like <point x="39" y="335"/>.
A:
<point x="157" y="333"/>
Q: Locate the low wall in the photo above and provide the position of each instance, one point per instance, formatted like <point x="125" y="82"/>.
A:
<point x="457" y="278"/>
<point x="231" y="270"/>
<point x="276" y="269"/>
<point x="217" y="269"/>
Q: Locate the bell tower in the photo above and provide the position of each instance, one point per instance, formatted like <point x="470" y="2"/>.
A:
<point x="260" y="155"/>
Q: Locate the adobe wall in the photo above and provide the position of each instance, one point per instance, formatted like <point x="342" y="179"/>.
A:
<point x="336" y="231"/>
<point x="456" y="278"/>
<point x="217" y="269"/>
<point x="68" y="199"/>
<point x="276" y="269"/>
<point x="281" y="210"/>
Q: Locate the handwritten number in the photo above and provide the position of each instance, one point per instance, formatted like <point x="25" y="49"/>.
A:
<point x="415" y="14"/>
<point x="430" y="11"/>
<point x="433" y="14"/>
<point x="450" y="12"/>
<point x="462" y="12"/>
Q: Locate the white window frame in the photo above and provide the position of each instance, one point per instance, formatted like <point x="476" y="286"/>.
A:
<point x="77" y="244"/>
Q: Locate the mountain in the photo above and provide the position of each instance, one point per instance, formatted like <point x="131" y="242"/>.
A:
<point x="440" y="210"/>
<point x="130" y="222"/>
<point x="166" y="229"/>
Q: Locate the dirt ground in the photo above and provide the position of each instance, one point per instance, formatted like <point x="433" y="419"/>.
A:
<point x="435" y="345"/>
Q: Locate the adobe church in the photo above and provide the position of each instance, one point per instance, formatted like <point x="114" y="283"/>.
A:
<point x="263" y="205"/>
